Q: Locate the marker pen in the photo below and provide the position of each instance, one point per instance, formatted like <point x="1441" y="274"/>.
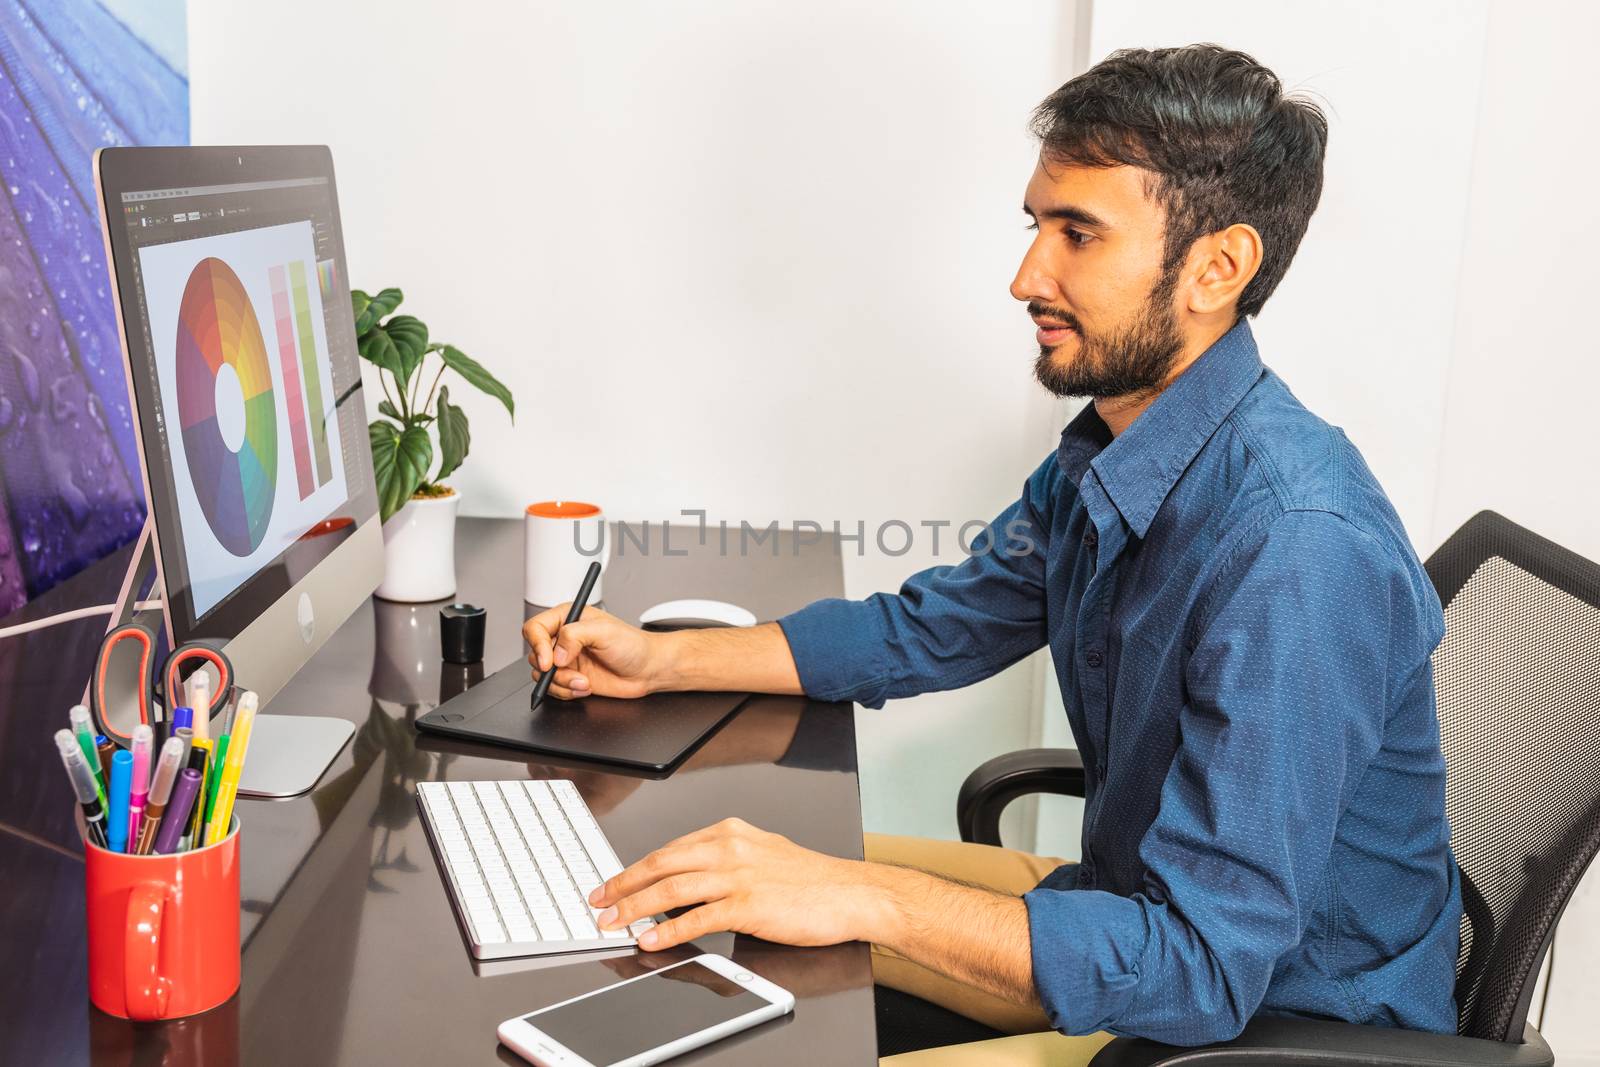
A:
<point x="79" y="718"/>
<point x="182" y="717"/>
<point x="117" y="790"/>
<point x="178" y="810"/>
<point x="106" y="747"/>
<point x="84" y="786"/>
<point x="160" y="792"/>
<point x="199" y="690"/>
<point x="200" y="760"/>
<point x="140" y="787"/>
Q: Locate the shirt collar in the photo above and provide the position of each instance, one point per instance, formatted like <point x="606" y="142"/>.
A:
<point x="1139" y="468"/>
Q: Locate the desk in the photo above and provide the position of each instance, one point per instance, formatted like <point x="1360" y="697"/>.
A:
<point x="351" y="951"/>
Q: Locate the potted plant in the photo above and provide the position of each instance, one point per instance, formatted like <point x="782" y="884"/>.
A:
<point x="417" y="509"/>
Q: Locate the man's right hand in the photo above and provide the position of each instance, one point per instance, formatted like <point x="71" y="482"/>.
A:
<point x="599" y="655"/>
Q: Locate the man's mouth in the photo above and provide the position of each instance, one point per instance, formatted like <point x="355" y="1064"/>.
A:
<point x="1052" y="333"/>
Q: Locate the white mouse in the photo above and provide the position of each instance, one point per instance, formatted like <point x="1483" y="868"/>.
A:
<point x="693" y="615"/>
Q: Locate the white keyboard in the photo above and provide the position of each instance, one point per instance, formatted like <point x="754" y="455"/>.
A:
<point x="520" y="859"/>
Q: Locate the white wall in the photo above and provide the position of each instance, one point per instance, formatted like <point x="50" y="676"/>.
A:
<point x="1520" y="433"/>
<point x="746" y="257"/>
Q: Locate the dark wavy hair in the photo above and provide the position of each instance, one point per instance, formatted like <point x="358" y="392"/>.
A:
<point x="1222" y="143"/>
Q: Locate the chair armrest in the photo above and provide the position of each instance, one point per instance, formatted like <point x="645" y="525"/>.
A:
<point x="1307" y="1043"/>
<point x="997" y="782"/>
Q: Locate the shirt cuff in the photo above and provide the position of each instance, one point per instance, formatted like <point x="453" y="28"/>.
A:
<point x="1086" y="948"/>
<point x="837" y="647"/>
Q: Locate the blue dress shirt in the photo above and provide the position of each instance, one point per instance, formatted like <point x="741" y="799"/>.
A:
<point x="1242" y="634"/>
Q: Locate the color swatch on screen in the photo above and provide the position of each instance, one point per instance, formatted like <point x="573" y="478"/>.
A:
<point x="291" y="383"/>
<point x="308" y="364"/>
<point x="217" y="329"/>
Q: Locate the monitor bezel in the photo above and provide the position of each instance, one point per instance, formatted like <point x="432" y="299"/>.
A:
<point x="128" y="170"/>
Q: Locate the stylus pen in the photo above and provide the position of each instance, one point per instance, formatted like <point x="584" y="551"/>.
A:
<point x="579" y="602"/>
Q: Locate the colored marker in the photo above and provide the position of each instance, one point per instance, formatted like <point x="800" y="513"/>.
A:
<point x="219" y="760"/>
<point x="182" y="718"/>
<point x="160" y="792"/>
<point x="199" y="690"/>
<point x="208" y="770"/>
<point x="121" y="779"/>
<point x="238" y="748"/>
<point x="139" y="789"/>
<point x="84" y="786"/>
<point x="79" y="718"/>
<point x="178" y="810"/>
<point x="106" y="748"/>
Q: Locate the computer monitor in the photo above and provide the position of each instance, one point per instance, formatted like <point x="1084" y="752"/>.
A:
<point x="234" y="307"/>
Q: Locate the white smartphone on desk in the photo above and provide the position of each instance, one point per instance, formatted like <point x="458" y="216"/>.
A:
<point x="648" y="1019"/>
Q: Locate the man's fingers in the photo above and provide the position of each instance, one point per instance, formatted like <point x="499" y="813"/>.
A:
<point x="675" y="891"/>
<point x="569" y="685"/>
<point x="538" y="630"/>
<point x="662" y="863"/>
<point x="574" y="638"/>
<point x="706" y="919"/>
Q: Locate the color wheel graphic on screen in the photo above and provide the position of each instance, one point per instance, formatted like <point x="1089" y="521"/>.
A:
<point x="226" y="407"/>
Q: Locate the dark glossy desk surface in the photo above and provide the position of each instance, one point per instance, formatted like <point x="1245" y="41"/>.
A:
<point x="352" y="953"/>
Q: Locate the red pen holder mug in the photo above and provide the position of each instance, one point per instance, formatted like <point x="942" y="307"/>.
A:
<point x="163" y="929"/>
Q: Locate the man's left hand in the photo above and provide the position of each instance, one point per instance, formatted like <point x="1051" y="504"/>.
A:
<point x="748" y="881"/>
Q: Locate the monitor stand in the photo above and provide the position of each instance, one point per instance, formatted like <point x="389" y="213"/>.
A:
<point x="288" y="753"/>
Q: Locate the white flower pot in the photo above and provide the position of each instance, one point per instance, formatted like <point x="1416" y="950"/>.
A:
<point x="419" y="550"/>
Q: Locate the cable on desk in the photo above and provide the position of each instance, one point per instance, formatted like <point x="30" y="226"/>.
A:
<point x="71" y="616"/>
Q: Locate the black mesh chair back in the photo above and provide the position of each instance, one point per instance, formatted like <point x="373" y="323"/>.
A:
<point x="1518" y="681"/>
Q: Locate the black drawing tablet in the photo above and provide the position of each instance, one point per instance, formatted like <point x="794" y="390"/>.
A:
<point x="653" y="732"/>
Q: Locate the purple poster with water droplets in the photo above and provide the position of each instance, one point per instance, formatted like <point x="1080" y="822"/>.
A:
<point x="75" y="75"/>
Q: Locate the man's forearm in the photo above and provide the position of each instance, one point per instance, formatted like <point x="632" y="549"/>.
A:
<point x="973" y="935"/>
<point x="752" y="659"/>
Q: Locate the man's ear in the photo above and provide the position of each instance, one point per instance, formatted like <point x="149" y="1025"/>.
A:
<point x="1222" y="264"/>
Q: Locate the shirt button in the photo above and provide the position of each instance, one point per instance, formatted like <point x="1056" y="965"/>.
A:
<point x="1091" y="537"/>
<point x="1086" y="874"/>
<point x="1094" y="658"/>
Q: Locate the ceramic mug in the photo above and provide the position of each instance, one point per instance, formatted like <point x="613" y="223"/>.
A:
<point x="560" y="539"/>
<point x="163" y="929"/>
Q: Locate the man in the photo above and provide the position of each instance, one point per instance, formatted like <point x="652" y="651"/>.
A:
<point x="1239" y="626"/>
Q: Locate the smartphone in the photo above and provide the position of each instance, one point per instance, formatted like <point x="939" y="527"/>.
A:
<point x="649" y="1018"/>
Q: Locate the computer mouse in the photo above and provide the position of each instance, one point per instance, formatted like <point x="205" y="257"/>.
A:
<point x="694" y="615"/>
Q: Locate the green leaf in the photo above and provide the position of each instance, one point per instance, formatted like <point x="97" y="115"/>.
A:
<point x="375" y="308"/>
<point x="400" y="462"/>
<point x="358" y="305"/>
<point x="473" y="372"/>
<point x="454" y="440"/>
<point x="378" y="347"/>
<point x="410" y="337"/>
<point x="386" y="408"/>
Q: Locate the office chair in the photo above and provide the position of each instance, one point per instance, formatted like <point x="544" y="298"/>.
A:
<point x="1518" y="683"/>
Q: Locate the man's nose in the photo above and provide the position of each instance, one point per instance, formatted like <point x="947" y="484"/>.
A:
<point x="1034" y="281"/>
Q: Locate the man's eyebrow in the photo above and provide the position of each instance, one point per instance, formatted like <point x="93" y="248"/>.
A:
<point x="1066" y="213"/>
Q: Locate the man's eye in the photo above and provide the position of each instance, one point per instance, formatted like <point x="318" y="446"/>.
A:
<point x="1078" y="237"/>
<point x="1033" y="226"/>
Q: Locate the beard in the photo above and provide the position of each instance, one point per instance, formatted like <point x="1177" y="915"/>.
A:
<point x="1136" y="357"/>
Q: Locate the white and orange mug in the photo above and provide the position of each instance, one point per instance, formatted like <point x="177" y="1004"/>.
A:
<point x="560" y="539"/>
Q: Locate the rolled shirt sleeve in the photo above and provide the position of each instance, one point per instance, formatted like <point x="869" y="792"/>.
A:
<point x="1287" y="685"/>
<point x="948" y="626"/>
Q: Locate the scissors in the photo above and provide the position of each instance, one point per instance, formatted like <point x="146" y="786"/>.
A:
<point x="154" y="694"/>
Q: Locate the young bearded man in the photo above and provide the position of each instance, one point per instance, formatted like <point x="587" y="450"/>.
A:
<point x="1240" y="628"/>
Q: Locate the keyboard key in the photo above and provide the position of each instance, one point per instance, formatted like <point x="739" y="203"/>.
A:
<point x="522" y="858"/>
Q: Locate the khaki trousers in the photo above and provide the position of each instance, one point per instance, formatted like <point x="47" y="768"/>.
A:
<point x="1004" y="870"/>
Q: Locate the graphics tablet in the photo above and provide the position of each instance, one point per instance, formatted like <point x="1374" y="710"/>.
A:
<point x="653" y="732"/>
